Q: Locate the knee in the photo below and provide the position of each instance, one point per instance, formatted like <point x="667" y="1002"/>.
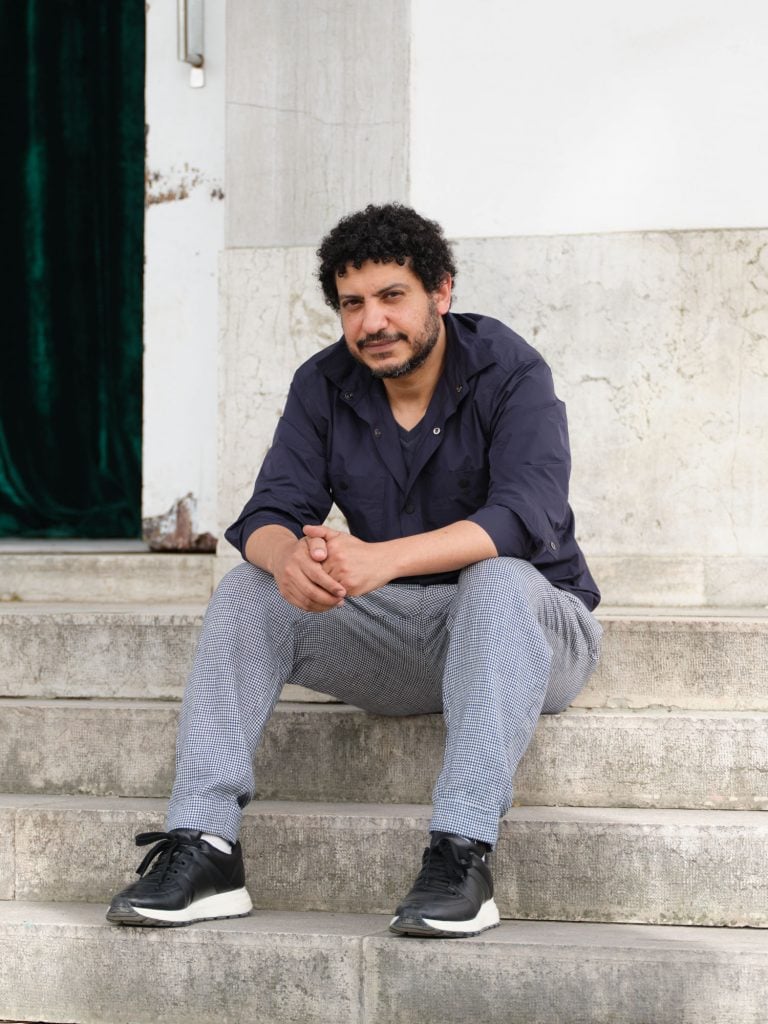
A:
<point x="498" y="597"/>
<point x="245" y="585"/>
<point x="244" y="577"/>
<point x="510" y="578"/>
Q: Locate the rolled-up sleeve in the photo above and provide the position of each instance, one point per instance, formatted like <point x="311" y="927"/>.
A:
<point x="529" y="466"/>
<point x="292" y="488"/>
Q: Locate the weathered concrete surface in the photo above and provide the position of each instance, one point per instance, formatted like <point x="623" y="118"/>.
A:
<point x="717" y="661"/>
<point x="49" y="650"/>
<point x="92" y="577"/>
<point x="619" y="865"/>
<point x="675" y="581"/>
<point x="67" y="963"/>
<point x="535" y="973"/>
<point x="656" y="867"/>
<point x="601" y="758"/>
<point x="710" y="660"/>
<point x="7" y="852"/>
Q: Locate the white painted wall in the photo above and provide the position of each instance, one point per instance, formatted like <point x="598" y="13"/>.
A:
<point x="184" y="235"/>
<point x="558" y="117"/>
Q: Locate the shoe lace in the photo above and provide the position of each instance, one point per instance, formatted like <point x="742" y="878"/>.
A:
<point x="166" y="851"/>
<point x="441" y="868"/>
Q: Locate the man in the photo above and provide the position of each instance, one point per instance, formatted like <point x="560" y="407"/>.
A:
<point x="459" y="587"/>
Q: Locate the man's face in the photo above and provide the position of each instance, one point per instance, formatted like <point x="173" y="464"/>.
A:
<point x="390" y="323"/>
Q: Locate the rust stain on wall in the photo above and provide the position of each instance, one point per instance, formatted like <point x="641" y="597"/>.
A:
<point x="175" y="530"/>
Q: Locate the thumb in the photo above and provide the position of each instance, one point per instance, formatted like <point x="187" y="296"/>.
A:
<point x="317" y="549"/>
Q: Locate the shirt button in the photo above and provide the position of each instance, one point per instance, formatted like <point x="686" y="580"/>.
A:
<point x="348" y="394"/>
<point x="553" y="545"/>
<point x="377" y="432"/>
<point x="436" y="430"/>
<point x="459" y="388"/>
<point x="409" y="508"/>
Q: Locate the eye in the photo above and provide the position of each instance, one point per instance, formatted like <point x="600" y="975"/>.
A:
<point x="393" y="295"/>
<point x="350" y="303"/>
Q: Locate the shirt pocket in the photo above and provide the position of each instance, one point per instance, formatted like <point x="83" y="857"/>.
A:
<point x="454" y="494"/>
<point x="364" y="499"/>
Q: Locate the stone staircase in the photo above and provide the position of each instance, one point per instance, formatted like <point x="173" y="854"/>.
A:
<point x="638" y="818"/>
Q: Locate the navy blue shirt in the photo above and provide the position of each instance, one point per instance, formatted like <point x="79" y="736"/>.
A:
<point x="493" y="449"/>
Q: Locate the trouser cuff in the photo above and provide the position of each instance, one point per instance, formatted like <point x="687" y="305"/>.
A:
<point x="468" y="820"/>
<point x="212" y="816"/>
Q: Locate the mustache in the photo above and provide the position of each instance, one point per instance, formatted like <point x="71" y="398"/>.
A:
<point x="373" y="339"/>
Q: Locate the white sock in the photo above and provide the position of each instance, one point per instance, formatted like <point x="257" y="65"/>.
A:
<point x="217" y="842"/>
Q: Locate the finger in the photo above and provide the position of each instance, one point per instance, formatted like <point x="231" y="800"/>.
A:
<point x="317" y="548"/>
<point x="308" y="573"/>
<point x="312" y="598"/>
<point x="319" y="577"/>
<point x="324" y="532"/>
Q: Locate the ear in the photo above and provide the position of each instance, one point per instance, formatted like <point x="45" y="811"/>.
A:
<point x="442" y="295"/>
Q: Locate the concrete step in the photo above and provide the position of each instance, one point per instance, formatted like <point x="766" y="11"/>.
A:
<point x="89" y="650"/>
<point x="694" y="658"/>
<point x="89" y="571"/>
<point x="566" y="864"/>
<point x="592" y="758"/>
<point x="706" y="661"/>
<point x="63" y="962"/>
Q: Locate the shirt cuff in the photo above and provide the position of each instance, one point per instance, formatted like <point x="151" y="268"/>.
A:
<point x="506" y="530"/>
<point x="239" y="532"/>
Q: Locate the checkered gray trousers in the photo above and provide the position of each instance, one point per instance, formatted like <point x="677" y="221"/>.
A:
<point x="491" y="652"/>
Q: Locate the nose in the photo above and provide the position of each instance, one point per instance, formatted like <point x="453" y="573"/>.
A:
<point x="374" y="318"/>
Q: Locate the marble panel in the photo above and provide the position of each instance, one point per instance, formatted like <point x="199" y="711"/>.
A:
<point x="317" y="115"/>
<point x="659" y="347"/>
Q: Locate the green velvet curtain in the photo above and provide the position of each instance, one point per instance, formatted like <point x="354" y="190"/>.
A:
<point x="72" y="209"/>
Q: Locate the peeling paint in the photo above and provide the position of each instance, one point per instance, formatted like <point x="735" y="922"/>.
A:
<point x="175" y="530"/>
<point x="177" y="184"/>
<point x="167" y="197"/>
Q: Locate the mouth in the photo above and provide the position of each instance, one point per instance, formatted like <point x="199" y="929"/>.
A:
<point x="378" y="344"/>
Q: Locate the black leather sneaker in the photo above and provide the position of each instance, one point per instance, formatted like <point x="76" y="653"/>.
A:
<point x="453" y="894"/>
<point x="190" y="881"/>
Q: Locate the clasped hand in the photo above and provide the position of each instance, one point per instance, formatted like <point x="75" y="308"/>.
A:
<point x="318" y="572"/>
<point x="357" y="565"/>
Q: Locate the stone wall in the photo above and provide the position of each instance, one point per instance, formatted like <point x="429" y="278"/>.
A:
<point x="659" y="346"/>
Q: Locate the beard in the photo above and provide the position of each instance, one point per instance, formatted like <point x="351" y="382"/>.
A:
<point x="421" y="347"/>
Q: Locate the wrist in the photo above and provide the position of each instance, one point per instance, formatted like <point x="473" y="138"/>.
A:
<point x="393" y="557"/>
<point x="269" y="546"/>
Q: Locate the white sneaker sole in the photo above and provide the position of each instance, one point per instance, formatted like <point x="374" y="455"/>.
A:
<point x="486" y="917"/>
<point x="226" y="904"/>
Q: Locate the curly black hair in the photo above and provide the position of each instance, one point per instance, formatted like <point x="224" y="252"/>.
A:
<point x="385" y="234"/>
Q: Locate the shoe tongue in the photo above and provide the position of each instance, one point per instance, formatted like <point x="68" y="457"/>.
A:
<point x="461" y="845"/>
<point x="458" y="845"/>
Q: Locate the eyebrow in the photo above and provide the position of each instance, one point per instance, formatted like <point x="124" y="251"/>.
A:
<point x="377" y="294"/>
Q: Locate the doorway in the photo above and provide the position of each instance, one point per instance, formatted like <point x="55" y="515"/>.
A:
<point x="72" y="202"/>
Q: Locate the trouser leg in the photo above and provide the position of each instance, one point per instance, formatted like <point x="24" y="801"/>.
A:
<point x="518" y="646"/>
<point x="244" y="657"/>
<point x="378" y="651"/>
